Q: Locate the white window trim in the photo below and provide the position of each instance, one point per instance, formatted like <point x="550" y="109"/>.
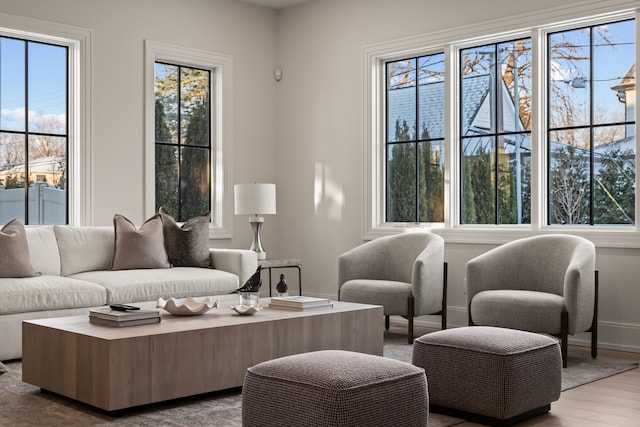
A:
<point x="79" y="41"/>
<point x="221" y="190"/>
<point x="450" y="42"/>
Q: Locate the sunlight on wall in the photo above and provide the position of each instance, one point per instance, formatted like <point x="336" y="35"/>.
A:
<point x="328" y="197"/>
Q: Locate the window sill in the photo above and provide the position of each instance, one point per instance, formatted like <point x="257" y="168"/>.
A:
<point x="602" y="237"/>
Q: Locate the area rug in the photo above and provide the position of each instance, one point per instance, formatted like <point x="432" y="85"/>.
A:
<point x="24" y="405"/>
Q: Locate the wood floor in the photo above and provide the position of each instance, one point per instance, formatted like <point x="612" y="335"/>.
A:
<point x="610" y="402"/>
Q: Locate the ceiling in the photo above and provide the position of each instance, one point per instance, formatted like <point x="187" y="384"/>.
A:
<point x="275" y="4"/>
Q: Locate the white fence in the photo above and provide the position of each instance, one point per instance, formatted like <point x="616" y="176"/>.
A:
<point x="47" y="205"/>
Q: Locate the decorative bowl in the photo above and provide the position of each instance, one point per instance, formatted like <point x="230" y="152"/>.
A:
<point x="245" y="310"/>
<point x="187" y="306"/>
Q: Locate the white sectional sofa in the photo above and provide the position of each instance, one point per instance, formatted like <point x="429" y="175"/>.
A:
<point x="74" y="263"/>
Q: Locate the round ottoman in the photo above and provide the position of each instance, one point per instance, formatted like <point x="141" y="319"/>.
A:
<point x="334" y="388"/>
<point x="490" y="375"/>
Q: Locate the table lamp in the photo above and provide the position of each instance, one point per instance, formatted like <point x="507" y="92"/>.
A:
<point x="255" y="199"/>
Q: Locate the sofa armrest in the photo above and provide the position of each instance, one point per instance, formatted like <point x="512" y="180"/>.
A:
<point x="241" y="262"/>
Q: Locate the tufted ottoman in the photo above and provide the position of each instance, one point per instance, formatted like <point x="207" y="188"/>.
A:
<point x="334" y="388"/>
<point x="490" y="375"/>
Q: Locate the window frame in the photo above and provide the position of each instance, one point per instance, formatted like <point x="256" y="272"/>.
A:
<point x="220" y="66"/>
<point x="536" y="26"/>
<point x="79" y="42"/>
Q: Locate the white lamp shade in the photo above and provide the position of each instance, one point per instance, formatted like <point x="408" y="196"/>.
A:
<point x="255" y="199"/>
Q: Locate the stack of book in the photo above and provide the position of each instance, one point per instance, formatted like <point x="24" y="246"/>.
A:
<point x="109" y="317"/>
<point x="299" y="303"/>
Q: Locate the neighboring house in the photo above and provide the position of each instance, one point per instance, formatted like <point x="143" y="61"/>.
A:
<point x="476" y="101"/>
<point x="45" y="169"/>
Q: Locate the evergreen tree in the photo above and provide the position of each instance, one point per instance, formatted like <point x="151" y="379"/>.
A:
<point x="507" y="194"/>
<point x="166" y="163"/>
<point x="431" y="181"/>
<point x="614" y="195"/>
<point x="401" y="179"/>
<point x="479" y="178"/>
<point x="194" y="163"/>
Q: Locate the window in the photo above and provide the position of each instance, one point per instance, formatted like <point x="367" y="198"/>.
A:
<point x="34" y="131"/>
<point x="495" y="133"/>
<point x="188" y="118"/>
<point x="515" y="126"/>
<point x="183" y="140"/>
<point x="591" y="125"/>
<point x="415" y="139"/>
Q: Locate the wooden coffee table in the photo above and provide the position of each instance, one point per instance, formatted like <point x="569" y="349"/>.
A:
<point x="116" y="368"/>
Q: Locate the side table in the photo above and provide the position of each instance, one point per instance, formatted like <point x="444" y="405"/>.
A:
<point x="270" y="264"/>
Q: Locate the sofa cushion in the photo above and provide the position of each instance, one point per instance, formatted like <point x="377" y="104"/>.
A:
<point x="138" y="248"/>
<point x="43" y="247"/>
<point x="129" y="286"/>
<point x="84" y="248"/>
<point x="187" y="245"/>
<point x="15" y="259"/>
<point x="48" y="293"/>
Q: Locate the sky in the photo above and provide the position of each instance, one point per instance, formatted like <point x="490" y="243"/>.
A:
<point x="47" y="79"/>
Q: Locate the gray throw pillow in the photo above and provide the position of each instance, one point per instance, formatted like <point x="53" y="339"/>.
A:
<point x="143" y="248"/>
<point x="187" y="245"/>
<point x="15" y="259"/>
<point x="3" y="369"/>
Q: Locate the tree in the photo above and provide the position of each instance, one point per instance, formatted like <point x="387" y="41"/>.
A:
<point x="183" y="140"/>
<point x="614" y="195"/>
<point x="166" y="158"/>
<point x="569" y="182"/>
<point x="401" y="178"/>
<point x="431" y="181"/>
<point x="195" y="184"/>
<point x="478" y="192"/>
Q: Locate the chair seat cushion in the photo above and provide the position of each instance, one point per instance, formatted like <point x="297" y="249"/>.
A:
<point x="46" y="292"/>
<point x="525" y="310"/>
<point x="127" y="286"/>
<point x="388" y="293"/>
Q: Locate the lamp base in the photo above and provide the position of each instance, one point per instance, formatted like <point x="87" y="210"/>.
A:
<point x="256" y="246"/>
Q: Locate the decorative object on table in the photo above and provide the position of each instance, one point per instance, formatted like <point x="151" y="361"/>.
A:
<point x="187" y="306"/>
<point x="282" y="288"/>
<point x="299" y="303"/>
<point x="250" y="291"/>
<point x="245" y="310"/>
<point x="187" y="245"/>
<point x="255" y="199"/>
<point x="123" y="318"/>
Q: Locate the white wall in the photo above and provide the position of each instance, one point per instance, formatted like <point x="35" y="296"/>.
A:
<point x="245" y="32"/>
<point x="303" y="133"/>
<point x="320" y="144"/>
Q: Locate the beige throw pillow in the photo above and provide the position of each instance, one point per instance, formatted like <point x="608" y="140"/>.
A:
<point x="187" y="246"/>
<point x="143" y="248"/>
<point x="15" y="259"/>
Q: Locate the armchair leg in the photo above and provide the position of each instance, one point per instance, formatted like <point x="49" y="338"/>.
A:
<point x="386" y="322"/>
<point x="564" y="332"/>
<point x="594" y="324"/>
<point x="444" y="298"/>
<point x="410" y="313"/>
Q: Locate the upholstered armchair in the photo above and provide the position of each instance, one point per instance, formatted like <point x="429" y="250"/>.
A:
<point x="405" y="273"/>
<point x="546" y="284"/>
